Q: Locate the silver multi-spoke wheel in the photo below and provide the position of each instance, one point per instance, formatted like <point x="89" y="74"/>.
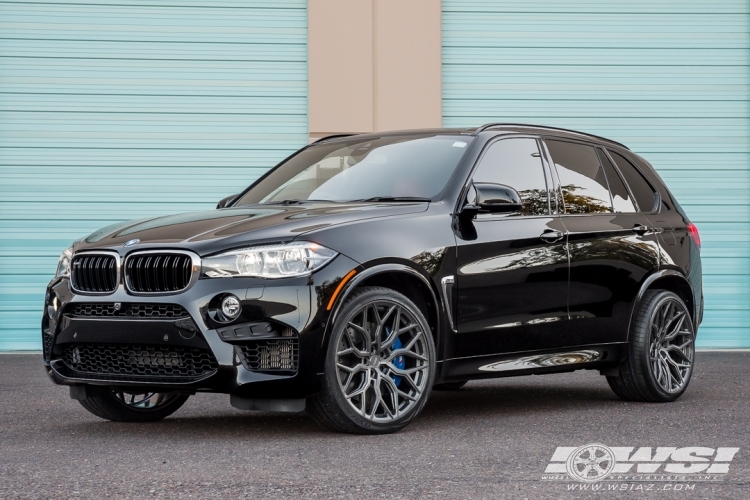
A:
<point x="660" y="356"/>
<point x="672" y="346"/>
<point x="379" y="365"/>
<point x="382" y="362"/>
<point x="144" y="400"/>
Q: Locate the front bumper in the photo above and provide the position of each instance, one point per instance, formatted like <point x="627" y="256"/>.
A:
<point x="281" y="320"/>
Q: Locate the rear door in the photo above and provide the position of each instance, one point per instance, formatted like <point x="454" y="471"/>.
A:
<point x="648" y="202"/>
<point x="612" y="246"/>
<point x="512" y="276"/>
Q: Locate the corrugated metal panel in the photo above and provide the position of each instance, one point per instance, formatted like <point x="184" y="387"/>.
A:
<point x="113" y="110"/>
<point x="668" y="78"/>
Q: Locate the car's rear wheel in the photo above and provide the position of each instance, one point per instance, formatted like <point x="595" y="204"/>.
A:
<point x="661" y="351"/>
<point x="379" y="366"/>
<point x="131" y="406"/>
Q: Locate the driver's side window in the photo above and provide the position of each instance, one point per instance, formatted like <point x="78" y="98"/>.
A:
<point x="516" y="163"/>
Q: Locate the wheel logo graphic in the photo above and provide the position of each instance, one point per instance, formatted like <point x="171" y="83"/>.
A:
<point x="591" y="463"/>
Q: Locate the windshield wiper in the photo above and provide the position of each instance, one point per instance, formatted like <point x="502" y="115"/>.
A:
<point x="297" y="202"/>
<point x="374" y="198"/>
<point x="284" y="202"/>
<point x="395" y="198"/>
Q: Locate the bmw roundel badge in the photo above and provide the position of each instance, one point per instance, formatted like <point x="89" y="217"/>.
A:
<point x="131" y="242"/>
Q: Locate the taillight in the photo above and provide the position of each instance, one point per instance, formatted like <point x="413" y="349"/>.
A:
<point x="693" y="232"/>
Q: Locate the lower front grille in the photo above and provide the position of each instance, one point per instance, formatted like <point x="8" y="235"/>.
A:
<point x="128" y="310"/>
<point x="271" y="355"/>
<point x="47" y="341"/>
<point x="139" y="362"/>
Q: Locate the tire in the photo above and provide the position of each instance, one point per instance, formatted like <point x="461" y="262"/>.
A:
<point x="656" y="370"/>
<point x="349" y="400"/>
<point x="120" y="406"/>
<point x="449" y="386"/>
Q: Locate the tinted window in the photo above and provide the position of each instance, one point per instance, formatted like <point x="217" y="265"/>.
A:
<point x="400" y="166"/>
<point x="518" y="164"/>
<point x="639" y="186"/>
<point x="621" y="200"/>
<point x="582" y="179"/>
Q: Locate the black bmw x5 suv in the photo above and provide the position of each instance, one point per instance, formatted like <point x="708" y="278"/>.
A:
<point x="364" y="271"/>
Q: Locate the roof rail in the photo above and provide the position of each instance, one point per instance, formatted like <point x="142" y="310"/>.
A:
<point x="334" y="136"/>
<point x="490" y="125"/>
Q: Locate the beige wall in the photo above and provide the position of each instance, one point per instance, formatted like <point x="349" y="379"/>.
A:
<point x="373" y="65"/>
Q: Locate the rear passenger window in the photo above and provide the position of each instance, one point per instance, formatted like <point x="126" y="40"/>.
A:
<point x="518" y="164"/>
<point x="582" y="180"/>
<point x="641" y="189"/>
<point x="621" y="200"/>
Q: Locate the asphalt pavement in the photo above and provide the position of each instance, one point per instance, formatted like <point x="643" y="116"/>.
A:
<point x="491" y="439"/>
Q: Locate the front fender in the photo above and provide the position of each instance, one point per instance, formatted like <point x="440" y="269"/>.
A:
<point x="364" y="273"/>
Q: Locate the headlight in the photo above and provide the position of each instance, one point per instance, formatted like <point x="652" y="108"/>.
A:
<point x="272" y="261"/>
<point x="63" y="265"/>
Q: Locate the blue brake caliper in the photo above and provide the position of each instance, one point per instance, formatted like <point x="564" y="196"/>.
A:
<point x="399" y="361"/>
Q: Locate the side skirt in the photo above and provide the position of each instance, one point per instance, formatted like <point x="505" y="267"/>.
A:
<point x="600" y="356"/>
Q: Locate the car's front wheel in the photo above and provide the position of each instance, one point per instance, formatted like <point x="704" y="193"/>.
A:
<point x="661" y="351"/>
<point x="379" y="367"/>
<point x="131" y="406"/>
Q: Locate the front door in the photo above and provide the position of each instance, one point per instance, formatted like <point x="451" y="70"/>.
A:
<point x="512" y="273"/>
<point x="612" y="247"/>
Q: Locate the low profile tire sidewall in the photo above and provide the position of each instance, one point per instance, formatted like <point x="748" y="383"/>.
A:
<point x="644" y="361"/>
<point x="363" y="424"/>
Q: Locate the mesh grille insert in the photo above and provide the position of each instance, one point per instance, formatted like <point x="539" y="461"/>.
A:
<point x="273" y="355"/>
<point x="95" y="273"/>
<point x="47" y="345"/>
<point x="158" y="272"/>
<point x="127" y="310"/>
<point x="139" y="361"/>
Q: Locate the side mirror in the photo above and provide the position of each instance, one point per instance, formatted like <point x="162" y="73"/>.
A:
<point x="495" y="198"/>
<point x="226" y="201"/>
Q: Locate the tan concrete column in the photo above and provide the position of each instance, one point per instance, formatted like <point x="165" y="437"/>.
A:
<point x="373" y="65"/>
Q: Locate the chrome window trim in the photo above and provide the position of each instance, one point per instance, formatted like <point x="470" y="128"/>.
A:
<point x="118" y="268"/>
<point x="194" y="274"/>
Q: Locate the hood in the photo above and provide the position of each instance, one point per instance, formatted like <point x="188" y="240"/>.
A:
<point x="216" y="230"/>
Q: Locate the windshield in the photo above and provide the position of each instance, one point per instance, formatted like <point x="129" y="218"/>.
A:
<point x="387" y="168"/>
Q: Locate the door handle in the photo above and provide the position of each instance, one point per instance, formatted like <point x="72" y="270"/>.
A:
<point x="640" y="229"/>
<point x="551" y="236"/>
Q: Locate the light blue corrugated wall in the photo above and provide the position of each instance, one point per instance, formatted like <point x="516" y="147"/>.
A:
<point x="113" y="110"/>
<point x="668" y="78"/>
